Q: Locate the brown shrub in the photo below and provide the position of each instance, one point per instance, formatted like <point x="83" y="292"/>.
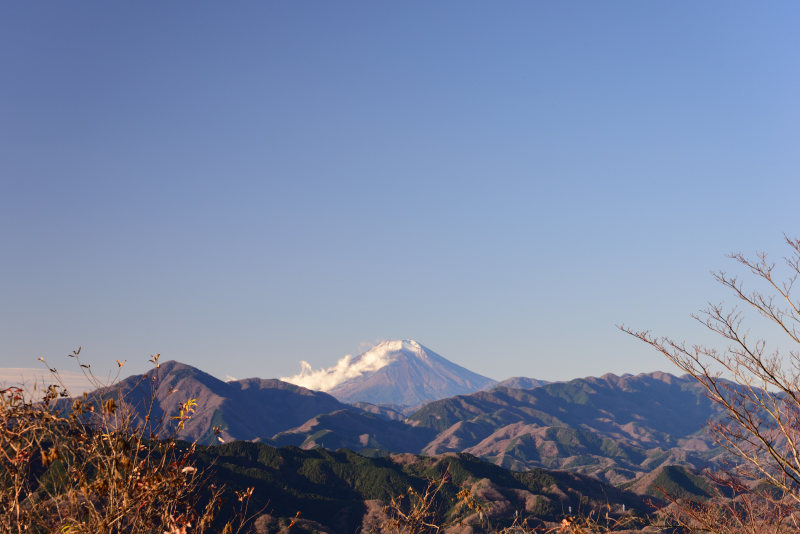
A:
<point x="83" y="466"/>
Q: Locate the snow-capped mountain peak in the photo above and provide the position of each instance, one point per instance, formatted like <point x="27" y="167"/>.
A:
<point x="388" y="351"/>
<point x="411" y="375"/>
<point x="402" y="372"/>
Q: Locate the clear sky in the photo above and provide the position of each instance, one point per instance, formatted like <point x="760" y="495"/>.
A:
<point x="241" y="186"/>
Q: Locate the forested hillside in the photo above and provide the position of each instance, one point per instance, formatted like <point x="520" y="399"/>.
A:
<point x="343" y="490"/>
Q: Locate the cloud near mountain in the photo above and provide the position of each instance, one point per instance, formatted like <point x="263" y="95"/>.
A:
<point x="345" y="369"/>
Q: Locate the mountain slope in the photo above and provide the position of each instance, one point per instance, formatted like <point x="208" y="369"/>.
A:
<point x="618" y="428"/>
<point x="520" y="382"/>
<point x="244" y="409"/>
<point x="355" y="431"/>
<point x="343" y="492"/>
<point x="413" y="374"/>
<point x="674" y="480"/>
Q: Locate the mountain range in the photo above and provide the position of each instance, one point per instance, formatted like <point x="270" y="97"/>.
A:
<point x="615" y="428"/>
<point x="340" y="492"/>
<point x="405" y="414"/>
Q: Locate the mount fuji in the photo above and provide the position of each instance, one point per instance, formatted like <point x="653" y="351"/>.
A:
<point x="406" y="373"/>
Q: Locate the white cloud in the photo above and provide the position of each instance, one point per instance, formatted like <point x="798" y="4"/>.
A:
<point x="345" y="369"/>
<point x="229" y="378"/>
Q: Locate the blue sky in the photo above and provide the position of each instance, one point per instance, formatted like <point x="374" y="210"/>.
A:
<point x="240" y="187"/>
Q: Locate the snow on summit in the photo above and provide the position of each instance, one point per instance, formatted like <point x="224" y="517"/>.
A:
<point x="401" y="372"/>
<point x="349" y="367"/>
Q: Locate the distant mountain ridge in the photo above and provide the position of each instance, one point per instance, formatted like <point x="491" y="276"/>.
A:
<point x="617" y="428"/>
<point x="520" y="382"/>
<point x="413" y="375"/>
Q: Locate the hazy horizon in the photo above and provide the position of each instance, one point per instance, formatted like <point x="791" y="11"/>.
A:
<point x="321" y="379"/>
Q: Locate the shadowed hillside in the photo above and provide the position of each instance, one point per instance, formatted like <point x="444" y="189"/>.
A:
<point x="244" y="409"/>
<point x="618" y="428"/>
<point x="344" y="491"/>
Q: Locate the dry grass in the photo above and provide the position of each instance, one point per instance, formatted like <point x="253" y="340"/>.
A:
<point x="83" y="466"/>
